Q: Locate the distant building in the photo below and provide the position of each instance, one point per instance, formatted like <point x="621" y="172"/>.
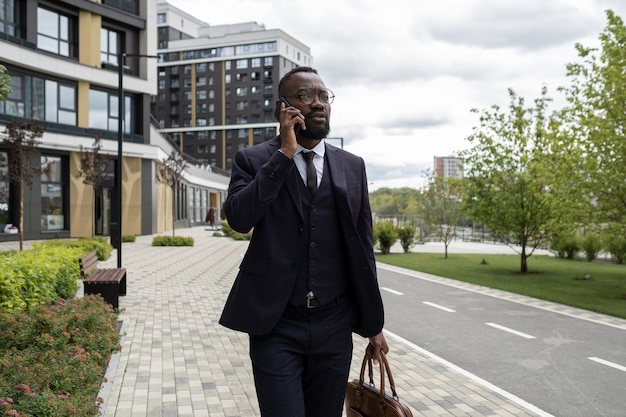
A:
<point x="217" y="85"/>
<point x="63" y="58"/>
<point x="448" y="167"/>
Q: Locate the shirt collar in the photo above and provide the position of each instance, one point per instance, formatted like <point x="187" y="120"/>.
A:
<point x="319" y="149"/>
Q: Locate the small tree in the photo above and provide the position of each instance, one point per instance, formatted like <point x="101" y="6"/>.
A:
<point x="386" y="234"/>
<point x="442" y="208"/>
<point x="592" y="246"/>
<point x="24" y="161"/>
<point x="5" y="83"/>
<point x="170" y="172"/>
<point x="406" y="234"/>
<point x="93" y="165"/>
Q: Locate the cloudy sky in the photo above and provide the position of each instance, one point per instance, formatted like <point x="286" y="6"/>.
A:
<point x="406" y="73"/>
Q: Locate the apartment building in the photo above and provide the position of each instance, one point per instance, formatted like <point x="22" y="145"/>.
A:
<point x="217" y="85"/>
<point x="448" y="167"/>
<point x="64" y="59"/>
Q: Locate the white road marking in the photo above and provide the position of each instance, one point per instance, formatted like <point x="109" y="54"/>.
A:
<point x="392" y="291"/>
<point x="449" y="310"/>
<point x="512" y="397"/>
<point x="607" y="363"/>
<point x="506" y="329"/>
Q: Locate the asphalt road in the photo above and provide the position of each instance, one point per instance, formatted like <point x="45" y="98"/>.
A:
<point x="563" y="365"/>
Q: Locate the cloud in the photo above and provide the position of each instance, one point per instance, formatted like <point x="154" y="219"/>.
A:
<point x="407" y="72"/>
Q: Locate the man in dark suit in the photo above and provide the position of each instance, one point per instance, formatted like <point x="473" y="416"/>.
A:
<point x="308" y="279"/>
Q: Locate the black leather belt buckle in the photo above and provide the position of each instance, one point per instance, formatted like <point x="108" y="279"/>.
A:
<point x="312" y="302"/>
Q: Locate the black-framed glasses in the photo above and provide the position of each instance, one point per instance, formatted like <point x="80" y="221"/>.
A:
<point x="307" y="96"/>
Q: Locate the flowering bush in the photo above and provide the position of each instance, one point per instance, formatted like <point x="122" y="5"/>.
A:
<point x="53" y="357"/>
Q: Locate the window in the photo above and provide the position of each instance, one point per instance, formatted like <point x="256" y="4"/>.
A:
<point x="4" y="190"/>
<point x="241" y="64"/>
<point x="9" y="19"/>
<point x="109" y="42"/>
<point x="47" y="100"/>
<point x="56" y="33"/>
<point x="255" y="62"/>
<point x="52" y="213"/>
<point x="267" y="62"/>
<point x="161" y="17"/>
<point x="14" y="104"/>
<point x="104" y="110"/>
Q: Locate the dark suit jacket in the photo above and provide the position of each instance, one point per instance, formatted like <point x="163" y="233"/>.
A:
<point x="264" y="194"/>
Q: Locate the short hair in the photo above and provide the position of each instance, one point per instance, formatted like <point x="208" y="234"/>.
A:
<point x="287" y="76"/>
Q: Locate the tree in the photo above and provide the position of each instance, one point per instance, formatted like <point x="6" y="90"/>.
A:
<point x="513" y="183"/>
<point x="5" y="83"/>
<point x="93" y="165"/>
<point x="441" y="202"/>
<point x="597" y="116"/>
<point x="24" y="161"/>
<point x="386" y="234"/>
<point x="394" y="201"/>
<point x="407" y="235"/>
<point x="170" y="172"/>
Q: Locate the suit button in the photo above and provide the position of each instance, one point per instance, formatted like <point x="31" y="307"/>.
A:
<point x="272" y="174"/>
<point x="300" y="230"/>
<point x="312" y="244"/>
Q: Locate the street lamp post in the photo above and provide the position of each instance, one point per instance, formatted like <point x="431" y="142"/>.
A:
<point x="116" y="223"/>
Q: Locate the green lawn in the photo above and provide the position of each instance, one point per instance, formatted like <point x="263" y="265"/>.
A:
<point x="553" y="279"/>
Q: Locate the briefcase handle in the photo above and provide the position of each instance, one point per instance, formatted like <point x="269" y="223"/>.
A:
<point x="384" y="368"/>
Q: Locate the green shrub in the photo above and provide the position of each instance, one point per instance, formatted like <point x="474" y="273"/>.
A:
<point x="172" y="241"/>
<point x="228" y="231"/>
<point x="100" y="244"/>
<point x="566" y="245"/>
<point x="52" y="357"/>
<point x="128" y="238"/>
<point x="616" y="246"/>
<point x="591" y="245"/>
<point x="38" y="276"/>
<point x="385" y="234"/>
<point x="407" y="234"/>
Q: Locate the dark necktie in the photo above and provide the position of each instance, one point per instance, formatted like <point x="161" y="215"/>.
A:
<point x="311" y="172"/>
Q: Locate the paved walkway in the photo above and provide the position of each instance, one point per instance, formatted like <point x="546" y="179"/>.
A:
<point x="177" y="361"/>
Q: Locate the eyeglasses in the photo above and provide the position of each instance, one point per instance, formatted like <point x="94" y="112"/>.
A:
<point x="307" y="96"/>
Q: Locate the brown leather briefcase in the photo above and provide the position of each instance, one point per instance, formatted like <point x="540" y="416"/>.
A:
<point x="365" y="400"/>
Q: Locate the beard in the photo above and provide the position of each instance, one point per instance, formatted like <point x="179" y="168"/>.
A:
<point x="315" y="132"/>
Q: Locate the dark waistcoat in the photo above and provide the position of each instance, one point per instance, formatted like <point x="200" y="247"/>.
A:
<point x="322" y="268"/>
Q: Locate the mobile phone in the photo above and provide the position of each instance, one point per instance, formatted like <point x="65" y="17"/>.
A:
<point x="277" y="111"/>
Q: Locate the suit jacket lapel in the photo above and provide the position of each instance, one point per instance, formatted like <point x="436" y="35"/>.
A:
<point x="337" y="173"/>
<point x="291" y="183"/>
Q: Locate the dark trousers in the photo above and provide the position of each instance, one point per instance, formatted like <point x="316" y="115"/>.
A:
<point x="301" y="368"/>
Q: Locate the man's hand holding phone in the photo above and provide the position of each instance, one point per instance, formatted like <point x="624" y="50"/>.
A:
<point x="291" y="120"/>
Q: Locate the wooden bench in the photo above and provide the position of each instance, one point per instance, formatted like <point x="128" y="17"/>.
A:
<point x="110" y="283"/>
